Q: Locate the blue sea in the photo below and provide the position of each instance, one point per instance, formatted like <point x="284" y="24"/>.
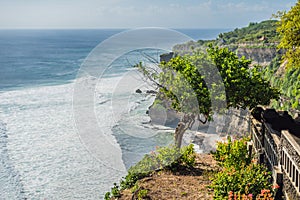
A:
<point x="42" y="153"/>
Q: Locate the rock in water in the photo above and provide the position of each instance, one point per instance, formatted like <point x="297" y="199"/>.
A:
<point x="138" y="91"/>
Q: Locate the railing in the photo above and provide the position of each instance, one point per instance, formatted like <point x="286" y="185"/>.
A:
<point x="290" y="159"/>
<point x="271" y="148"/>
<point x="281" y="154"/>
<point x="256" y="136"/>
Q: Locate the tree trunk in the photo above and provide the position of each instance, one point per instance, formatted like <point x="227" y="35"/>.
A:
<point x="179" y="131"/>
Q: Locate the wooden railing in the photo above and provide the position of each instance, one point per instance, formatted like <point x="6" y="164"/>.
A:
<point x="281" y="153"/>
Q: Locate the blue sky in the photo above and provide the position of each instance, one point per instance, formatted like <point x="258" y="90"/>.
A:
<point x="136" y="13"/>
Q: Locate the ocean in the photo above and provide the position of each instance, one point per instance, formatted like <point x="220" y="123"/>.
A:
<point x="43" y="154"/>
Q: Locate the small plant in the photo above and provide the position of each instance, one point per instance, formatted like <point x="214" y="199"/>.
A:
<point x="188" y="156"/>
<point x="107" y="196"/>
<point x="168" y="156"/>
<point x="142" y="194"/>
<point x="232" y="153"/>
<point x="115" y="192"/>
<point x="135" y="187"/>
<point x="183" y="194"/>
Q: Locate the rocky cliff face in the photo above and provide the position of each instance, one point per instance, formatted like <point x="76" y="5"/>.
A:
<point x="235" y="122"/>
<point x="259" y="55"/>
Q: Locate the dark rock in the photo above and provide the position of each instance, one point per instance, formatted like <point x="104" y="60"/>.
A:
<point x="138" y="91"/>
<point x="198" y="139"/>
<point x="257" y="112"/>
<point x="151" y="92"/>
<point x="166" y="57"/>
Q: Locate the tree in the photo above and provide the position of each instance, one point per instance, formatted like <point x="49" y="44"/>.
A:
<point x="200" y="84"/>
<point x="289" y="30"/>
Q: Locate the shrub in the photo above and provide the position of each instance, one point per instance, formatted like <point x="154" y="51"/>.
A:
<point x="232" y="153"/>
<point x="188" y="156"/>
<point x="115" y="192"/>
<point x="142" y="194"/>
<point x="239" y="176"/>
<point x="250" y="179"/>
<point x="168" y="157"/>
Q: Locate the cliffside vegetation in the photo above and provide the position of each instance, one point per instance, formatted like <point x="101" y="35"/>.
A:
<point x="264" y="31"/>
<point x="284" y="71"/>
<point x="169" y="173"/>
<point x="289" y="30"/>
<point x="202" y="84"/>
<point x="274" y="44"/>
<point x="288" y="82"/>
<point x="255" y="35"/>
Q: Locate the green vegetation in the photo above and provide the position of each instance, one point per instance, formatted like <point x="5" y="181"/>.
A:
<point x="168" y="158"/>
<point x="289" y="84"/>
<point x="267" y="34"/>
<point x="233" y="153"/>
<point x="289" y="30"/>
<point x="254" y="36"/>
<point x="239" y="176"/>
<point x="284" y="71"/>
<point x="245" y="87"/>
<point x="254" y="33"/>
<point x="142" y="194"/>
<point x="200" y="84"/>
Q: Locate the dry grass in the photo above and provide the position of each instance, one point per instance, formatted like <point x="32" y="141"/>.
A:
<point x="182" y="184"/>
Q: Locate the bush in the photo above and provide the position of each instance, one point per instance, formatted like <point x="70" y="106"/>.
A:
<point x="249" y="179"/>
<point x="142" y="194"/>
<point x="239" y="176"/>
<point x="232" y="153"/>
<point x="188" y="156"/>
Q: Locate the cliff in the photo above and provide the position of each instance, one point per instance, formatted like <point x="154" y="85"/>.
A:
<point x="257" y="42"/>
<point x="261" y="54"/>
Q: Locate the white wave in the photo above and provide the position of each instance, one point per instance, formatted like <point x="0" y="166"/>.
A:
<point x="44" y="147"/>
<point x="10" y="186"/>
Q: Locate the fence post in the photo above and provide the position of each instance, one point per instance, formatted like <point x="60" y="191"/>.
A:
<point x="250" y="148"/>
<point x="279" y="181"/>
<point x="261" y="156"/>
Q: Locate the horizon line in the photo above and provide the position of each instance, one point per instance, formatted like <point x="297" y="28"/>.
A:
<point x="114" y="28"/>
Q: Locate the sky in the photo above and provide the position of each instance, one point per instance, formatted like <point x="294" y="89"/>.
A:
<point x="82" y="14"/>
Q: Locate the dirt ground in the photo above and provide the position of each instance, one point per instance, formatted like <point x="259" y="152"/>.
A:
<point x="184" y="184"/>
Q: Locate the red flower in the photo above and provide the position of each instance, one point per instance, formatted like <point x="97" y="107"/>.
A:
<point x="276" y="186"/>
